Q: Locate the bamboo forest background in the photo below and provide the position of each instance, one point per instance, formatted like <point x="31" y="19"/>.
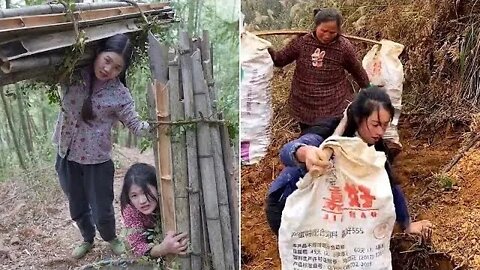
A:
<point x="27" y="119"/>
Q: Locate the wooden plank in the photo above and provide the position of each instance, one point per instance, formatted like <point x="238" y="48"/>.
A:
<point x="205" y="152"/>
<point x="180" y="175"/>
<point x="196" y="224"/>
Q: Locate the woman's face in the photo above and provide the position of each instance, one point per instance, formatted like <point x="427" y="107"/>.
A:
<point x="140" y="201"/>
<point x="372" y="129"/>
<point x="108" y="65"/>
<point x="327" y="31"/>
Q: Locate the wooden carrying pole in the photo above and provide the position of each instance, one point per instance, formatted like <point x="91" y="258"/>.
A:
<point x="196" y="228"/>
<point x="303" y="32"/>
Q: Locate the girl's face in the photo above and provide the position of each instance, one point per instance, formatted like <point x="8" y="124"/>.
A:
<point x="140" y="201"/>
<point x="372" y="129"/>
<point x="108" y="65"/>
<point x="327" y="31"/>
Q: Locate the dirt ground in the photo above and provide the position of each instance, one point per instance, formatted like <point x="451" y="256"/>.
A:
<point x="454" y="213"/>
<point x="36" y="231"/>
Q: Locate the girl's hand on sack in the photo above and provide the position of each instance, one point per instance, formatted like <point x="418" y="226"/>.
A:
<point x="423" y="227"/>
<point x="316" y="160"/>
<point x="174" y="243"/>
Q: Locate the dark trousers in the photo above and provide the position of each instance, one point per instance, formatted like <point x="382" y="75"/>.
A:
<point x="274" y="206"/>
<point x="89" y="189"/>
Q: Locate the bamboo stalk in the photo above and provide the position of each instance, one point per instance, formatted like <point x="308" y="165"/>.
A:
<point x="31" y="63"/>
<point x="158" y="55"/>
<point x="37" y="44"/>
<point x="205" y="69"/>
<point x="165" y="156"/>
<point x="192" y="158"/>
<point x="47" y="19"/>
<point x="180" y="175"/>
<point x="59" y="8"/>
<point x="205" y="151"/>
<point x="19" y="26"/>
<point x="231" y="181"/>
<point x="6" y="79"/>
<point x="303" y="32"/>
<point x="40" y="61"/>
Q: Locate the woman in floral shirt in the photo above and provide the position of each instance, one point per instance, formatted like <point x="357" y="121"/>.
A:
<point x="83" y="140"/>
<point x="139" y="203"/>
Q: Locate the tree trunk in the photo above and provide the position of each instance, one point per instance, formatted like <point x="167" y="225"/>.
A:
<point x="129" y="139"/>
<point x="7" y="135"/>
<point x="12" y="129"/>
<point x="7" y="3"/>
<point x="191" y="16"/>
<point x="23" y="121"/>
<point x="115" y="133"/>
<point x="198" y="13"/>
<point x="44" y="121"/>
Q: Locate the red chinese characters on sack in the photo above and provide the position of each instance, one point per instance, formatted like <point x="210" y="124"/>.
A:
<point x="335" y="202"/>
<point x="359" y="199"/>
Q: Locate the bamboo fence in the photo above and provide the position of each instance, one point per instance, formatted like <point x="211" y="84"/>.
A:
<point x="194" y="157"/>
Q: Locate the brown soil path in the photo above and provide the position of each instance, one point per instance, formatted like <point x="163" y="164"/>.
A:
<point x="36" y="231"/>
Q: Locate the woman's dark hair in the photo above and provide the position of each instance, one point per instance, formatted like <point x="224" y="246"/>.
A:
<point x="322" y="15"/>
<point x="365" y="103"/>
<point x="119" y="44"/>
<point x="142" y="175"/>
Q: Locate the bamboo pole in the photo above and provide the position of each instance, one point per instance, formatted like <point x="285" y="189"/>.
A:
<point x="26" y="46"/>
<point x="158" y="55"/>
<point x="59" y="8"/>
<point x="303" y="32"/>
<point x="180" y="175"/>
<point x="47" y="19"/>
<point x="19" y="26"/>
<point x="192" y="158"/>
<point x="11" y="78"/>
<point x="31" y="63"/>
<point x="205" y="69"/>
<point x="207" y="168"/>
<point x="165" y="156"/>
<point x="12" y="129"/>
<point x="225" y="156"/>
<point x="40" y="61"/>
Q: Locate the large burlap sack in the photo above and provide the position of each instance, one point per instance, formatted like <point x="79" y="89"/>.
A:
<point x="343" y="219"/>
<point x="255" y="101"/>
<point x="384" y="68"/>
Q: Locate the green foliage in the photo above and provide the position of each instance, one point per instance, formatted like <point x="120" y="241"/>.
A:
<point x="446" y="182"/>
